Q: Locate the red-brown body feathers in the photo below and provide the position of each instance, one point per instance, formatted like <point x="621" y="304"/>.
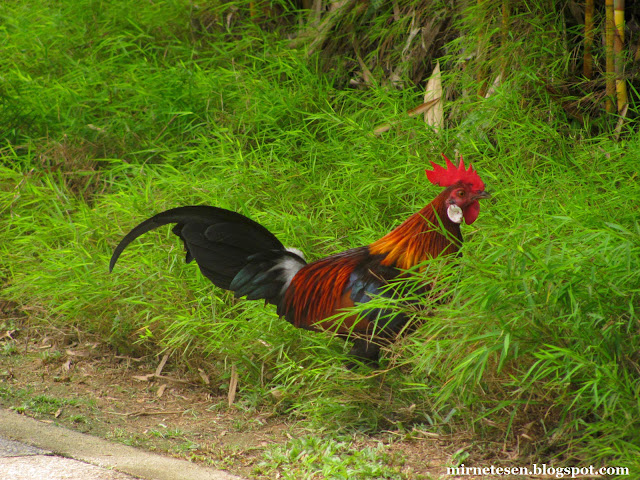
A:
<point x="322" y="289"/>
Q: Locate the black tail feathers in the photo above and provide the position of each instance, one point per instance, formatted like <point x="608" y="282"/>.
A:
<point x="231" y="250"/>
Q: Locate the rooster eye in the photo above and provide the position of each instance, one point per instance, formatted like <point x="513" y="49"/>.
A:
<point x="461" y="193"/>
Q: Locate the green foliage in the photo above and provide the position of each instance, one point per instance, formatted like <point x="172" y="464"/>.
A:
<point x="545" y="315"/>
<point x="309" y="458"/>
<point x="116" y="113"/>
<point x="39" y="404"/>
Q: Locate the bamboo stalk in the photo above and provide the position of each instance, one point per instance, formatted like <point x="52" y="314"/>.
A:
<point x="609" y="31"/>
<point x="587" y="66"/>
<point x="621" y="86"/>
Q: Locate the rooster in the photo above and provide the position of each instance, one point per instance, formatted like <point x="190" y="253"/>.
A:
<point x="235" y="253"/>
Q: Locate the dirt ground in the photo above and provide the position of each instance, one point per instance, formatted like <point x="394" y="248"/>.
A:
<point x="151" y="404"/>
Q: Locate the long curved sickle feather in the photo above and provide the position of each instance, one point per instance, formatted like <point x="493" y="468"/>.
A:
<point x="201" y="214"/>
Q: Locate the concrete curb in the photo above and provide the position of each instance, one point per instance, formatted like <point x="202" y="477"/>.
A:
<point x="103" y="453"/>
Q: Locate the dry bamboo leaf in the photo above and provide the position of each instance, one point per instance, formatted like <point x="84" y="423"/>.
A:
<point x="66" y="366"/>
<point x="623" y="114"/>
<point x="435" y="115"/>
<point x="143" y="378"/>
<point x="229" y="19"/>
<point x="58" y="413"/>
<point x="161" y="390"/>
<point x="492" y="89"/>
<point x="204" y="376"/>
<point x="97" y="129"/>
<point x="77" y="353"/>
<point x="395" y="78"/>
<point x="412" y="34"/>
<point x="366" y="73"/>
<point x="277" y="393"/>
<point x="380" y="129"/>
<point x="385" y="127"/>
<point x="162" y="364"/>
<point x="233" y="385"/>
<point x="315" y="12"/>
<point x="124" y="357"/>
<point x="7" y="335"/>
<point x="171" y="379"/>
<point x="425" y="107"/>
<point x="396" y="11"/>
<point x="143" y="413"/>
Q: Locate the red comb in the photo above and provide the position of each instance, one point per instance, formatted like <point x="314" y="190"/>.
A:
<point x="446" y="177"/>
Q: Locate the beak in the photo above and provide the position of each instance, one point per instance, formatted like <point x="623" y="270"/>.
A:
<point x="481" y="195"/>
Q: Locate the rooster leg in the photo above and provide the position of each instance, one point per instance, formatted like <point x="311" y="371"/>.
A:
<point x="365" y="352"/>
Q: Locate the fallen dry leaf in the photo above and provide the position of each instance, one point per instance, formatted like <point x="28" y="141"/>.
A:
<point x="161" y="390"/>
<point x="204" y="376"/>
<point x="7" y="334"/>
<point x="162" y="364"/>
<point x="66" y="366"/>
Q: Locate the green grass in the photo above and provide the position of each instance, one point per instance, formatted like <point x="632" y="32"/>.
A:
<point x="113" y="117"/>
<point x="309" y="458"/>
<point x="36" y="404"/>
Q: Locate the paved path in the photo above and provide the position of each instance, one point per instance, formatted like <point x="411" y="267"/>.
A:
<point x="33" y="450"/>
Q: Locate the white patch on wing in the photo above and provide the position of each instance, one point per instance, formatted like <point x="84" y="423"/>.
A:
<point x="454" y="212"/>
<point x="289" y="266"/>
<point x="295" y="251"/>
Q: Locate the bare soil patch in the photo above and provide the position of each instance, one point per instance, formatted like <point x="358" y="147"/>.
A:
<point x="86" y="387"/>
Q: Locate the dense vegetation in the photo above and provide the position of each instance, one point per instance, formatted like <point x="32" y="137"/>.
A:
<point x="115" y="110"/>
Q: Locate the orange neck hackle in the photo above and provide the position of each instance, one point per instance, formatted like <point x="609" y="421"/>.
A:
<point x="426" y="234"/>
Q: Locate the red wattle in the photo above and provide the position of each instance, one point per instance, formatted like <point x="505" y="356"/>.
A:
<point x="471" y="212"/>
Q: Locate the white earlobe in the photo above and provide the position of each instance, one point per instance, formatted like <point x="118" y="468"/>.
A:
<point x="454" y="212"/>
